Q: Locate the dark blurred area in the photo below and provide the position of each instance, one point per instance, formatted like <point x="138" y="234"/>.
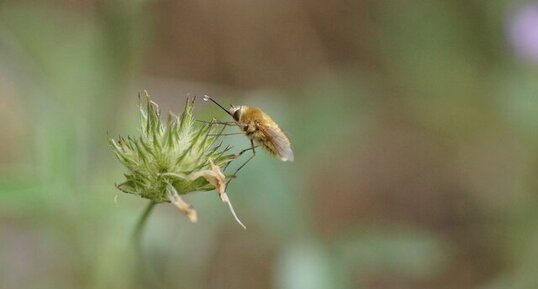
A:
<point x="414" y="126"/>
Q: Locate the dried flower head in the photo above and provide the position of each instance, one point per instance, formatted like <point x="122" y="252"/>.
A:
<point x="173" y="159"/>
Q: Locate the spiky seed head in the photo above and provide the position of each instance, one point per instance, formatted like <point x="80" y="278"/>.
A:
<point x="170" y="154"/>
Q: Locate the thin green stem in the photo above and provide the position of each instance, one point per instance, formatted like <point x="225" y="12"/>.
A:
<point x="145" y="276"/>
<point x="137" y="234"/>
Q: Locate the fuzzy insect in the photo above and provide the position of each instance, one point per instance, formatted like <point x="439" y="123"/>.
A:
<point x="259" y="127"/>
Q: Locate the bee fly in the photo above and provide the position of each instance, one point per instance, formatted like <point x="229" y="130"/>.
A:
<point x="259" y="128"/>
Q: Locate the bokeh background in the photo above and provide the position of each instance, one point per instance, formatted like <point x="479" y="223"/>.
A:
<point x="414" y="126"/>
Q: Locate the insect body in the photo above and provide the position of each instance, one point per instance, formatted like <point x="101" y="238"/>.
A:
<point x="260" y="128"/>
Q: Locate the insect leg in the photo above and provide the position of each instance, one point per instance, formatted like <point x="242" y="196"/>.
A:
<point x="238" y="155"/>
<point x="217" y="122"/>
<point x="253" y="148"/>
<point x="246" y="150"/>
<point x="226" y="134"/>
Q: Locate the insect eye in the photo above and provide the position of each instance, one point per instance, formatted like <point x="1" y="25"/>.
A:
<point x="237" y="113"/>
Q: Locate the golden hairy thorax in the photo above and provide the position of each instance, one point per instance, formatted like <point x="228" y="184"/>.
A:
<point x="254" y="114"/>
<point x="252" y="118"/>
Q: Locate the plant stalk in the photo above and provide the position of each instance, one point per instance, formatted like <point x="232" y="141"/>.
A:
<point x="137" y="234"/>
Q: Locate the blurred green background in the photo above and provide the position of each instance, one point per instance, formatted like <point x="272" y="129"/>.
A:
<point x="414" y="126"/>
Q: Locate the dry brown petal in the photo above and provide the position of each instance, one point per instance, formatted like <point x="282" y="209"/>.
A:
<point x="226" y="200"/>
<point x="183" y="206"/>
<point x="216" y="178"/>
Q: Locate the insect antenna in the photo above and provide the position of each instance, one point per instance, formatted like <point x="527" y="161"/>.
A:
<point x="227" y="134"/>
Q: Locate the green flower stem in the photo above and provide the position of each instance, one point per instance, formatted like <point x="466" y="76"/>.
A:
<point x="147" y="276"/>
<point x="137" y="234"/>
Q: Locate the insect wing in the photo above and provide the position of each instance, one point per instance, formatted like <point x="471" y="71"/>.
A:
<point x="279" y="141"/>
